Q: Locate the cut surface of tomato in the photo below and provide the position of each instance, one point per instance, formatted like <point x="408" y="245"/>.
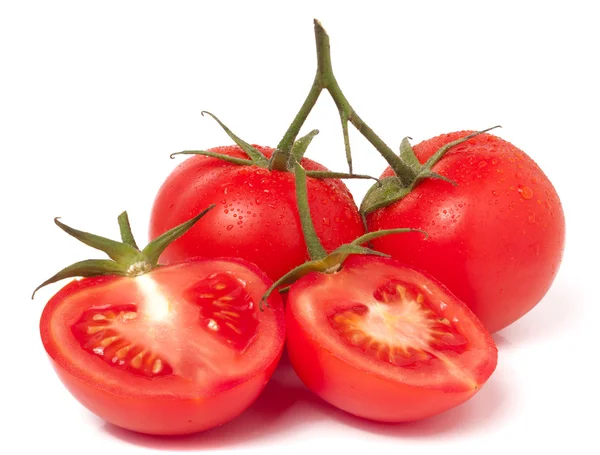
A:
<point x="177" y="350"/>
<point x="385" y="342"/>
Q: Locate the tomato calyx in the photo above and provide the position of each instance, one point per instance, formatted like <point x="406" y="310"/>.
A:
<point x="394" y="188"/>
<point x="126" y="259"/>
<point x="321" y="261"/>
<point x="280" y="160"/>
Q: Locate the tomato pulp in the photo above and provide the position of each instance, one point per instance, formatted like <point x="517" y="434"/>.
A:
<point x="495" y="239"/>
<point x="385" y="342"/>
<point x="256" y="216"/>
<point x="178" y="350"/>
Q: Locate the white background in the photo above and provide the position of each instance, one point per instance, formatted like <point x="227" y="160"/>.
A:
<point x="94" y="96"/>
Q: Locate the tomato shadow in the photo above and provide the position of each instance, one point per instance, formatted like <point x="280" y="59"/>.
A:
<point x="557" y="312"/>
<point x="286" y="406"/>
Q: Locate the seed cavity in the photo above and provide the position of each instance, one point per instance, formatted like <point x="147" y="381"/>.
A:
<point x="100" y="332"/>
<point x="399" y="326"/>
<point x="226" y="309"/>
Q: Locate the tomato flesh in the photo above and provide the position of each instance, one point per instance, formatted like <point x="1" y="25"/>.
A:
<point x="178" y="350"/>
<point x="386" y="342"/>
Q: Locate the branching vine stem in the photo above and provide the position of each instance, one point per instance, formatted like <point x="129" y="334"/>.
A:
<point x="325" y="80"/>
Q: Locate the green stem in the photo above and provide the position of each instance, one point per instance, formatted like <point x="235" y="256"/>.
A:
<point x="439" y="154"/>
<point x="325" y="79"/>
<point x="338" y="175"/>
<point x="221" y="156"/>
<point x="286" y="143"/>
<point x="313" y="244"/>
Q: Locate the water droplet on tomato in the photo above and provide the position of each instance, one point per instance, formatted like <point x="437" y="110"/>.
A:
<point x="482" y="164"/>
<point x="223" y="201"/>
<point x="230" y="227"/>
<point x="525" y="192"/>
<point x="495" y="193"/>
<point x="531" y="218"/>
<point x="258" y="201"/>
<point x="326" y="221"/>
<point x="226" y="211"/>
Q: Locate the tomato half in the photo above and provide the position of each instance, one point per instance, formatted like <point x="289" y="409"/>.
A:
<point x="178" y="350"/>
<point x="496" y="239"/>
<point x="385" y="342"/>
<point x="256" y="212"/>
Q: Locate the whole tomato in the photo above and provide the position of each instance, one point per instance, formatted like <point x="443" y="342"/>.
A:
<point x="256" y="217"/>
<point x="495" y="239"/>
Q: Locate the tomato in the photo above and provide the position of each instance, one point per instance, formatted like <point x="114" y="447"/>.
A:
<point x="177" y="350"/>
<point x="496" y="239"/>
<point x="256" y="216"/>
<point x="385" y="342"/>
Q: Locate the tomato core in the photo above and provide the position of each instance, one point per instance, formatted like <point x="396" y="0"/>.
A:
<point x="398" y="326"/>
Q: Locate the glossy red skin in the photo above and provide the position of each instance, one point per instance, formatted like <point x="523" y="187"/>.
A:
<point x="495" y="240"/>
<point x="256" y="217"/>
<point x="365" y="392"/>
<point x="162" y="415"/>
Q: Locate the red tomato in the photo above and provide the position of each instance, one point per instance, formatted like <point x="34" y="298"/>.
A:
<point x="496" y="239"/>
<point x="256" y="216"/>
<point x="385" y="342"/>
<point x="178" y="350"/>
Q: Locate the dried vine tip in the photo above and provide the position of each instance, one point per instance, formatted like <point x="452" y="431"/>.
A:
<point x="126" y="259"/>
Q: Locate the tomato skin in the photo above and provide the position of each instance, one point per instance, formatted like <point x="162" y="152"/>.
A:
<point x="330" y="372"/>
<point x="145" y="410"/>
<point x="353" y="390"/>
<point x="166" y="416"/>
<point x="256" y="212"/>
<point x="496" y="239"/>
